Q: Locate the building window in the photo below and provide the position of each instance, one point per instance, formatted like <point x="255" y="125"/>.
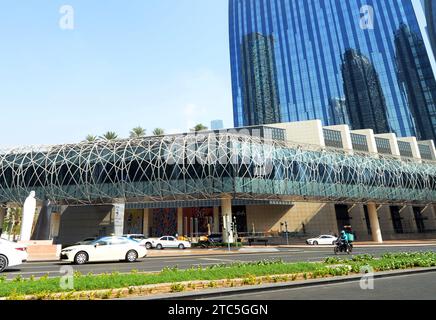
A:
<point x="405" y="149"/>
<point x="383" y="145"/>
<point x="359" y="141"/>
<point x="425" y="152"/>
<point x="333" y="139"/>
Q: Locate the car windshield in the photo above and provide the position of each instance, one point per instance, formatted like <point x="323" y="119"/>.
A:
<point x="113" y="240"/>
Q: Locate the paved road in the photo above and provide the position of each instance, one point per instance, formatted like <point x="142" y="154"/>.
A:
<point x="156" y="264"/>
<point x="407" y="287"/>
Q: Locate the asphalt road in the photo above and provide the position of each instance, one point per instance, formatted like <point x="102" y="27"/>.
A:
<point x="155" y="264"/>
<point x="406" y="287"/>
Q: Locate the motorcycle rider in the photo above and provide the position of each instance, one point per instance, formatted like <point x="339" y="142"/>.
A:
<point x="343" y="240"/>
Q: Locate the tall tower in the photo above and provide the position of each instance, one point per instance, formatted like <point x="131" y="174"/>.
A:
<point x="415" y="72"/>
<point x="306" y="41"/>
<point x="364" y="96"/>
<point x="430" y="14"/>
<point x="260" y="92"/>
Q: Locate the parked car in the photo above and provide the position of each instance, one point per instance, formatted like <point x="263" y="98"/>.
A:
<point x="168" y="242"/>
<point x="11" y="254"/>
<point x="86" y="241"/>
<point x="136" y="237"/>
<point x="105" y="249"/>
<point x="215" y="238"/>
<point x="322" y="239"/>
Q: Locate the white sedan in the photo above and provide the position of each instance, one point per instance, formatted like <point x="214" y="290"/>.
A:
<point x="166" y="242"/>
<point x="11" y="254"/>
<point x="322" y="239"/>
<point x="105" y="249"/>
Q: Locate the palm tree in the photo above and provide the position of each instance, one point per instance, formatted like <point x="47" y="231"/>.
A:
<point x="137" y="132"/>
<point x="91" y="138"/>
<point x="199" y="127"/>
<point x="158" y="132"/>
<point x="110" y="136"/>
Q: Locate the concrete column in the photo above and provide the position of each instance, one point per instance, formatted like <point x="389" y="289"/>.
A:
<point x="146" y="222"/>
<point x="2" y="219"/>
<point x="55" y="223"/>
<point x="118" y="218"/>
<point x="226" y="205"/>
<point x="429" y="213"/>
<point x="375" y="225"/>
<point x="216" y="220"/>
<point x="180" y="221"/>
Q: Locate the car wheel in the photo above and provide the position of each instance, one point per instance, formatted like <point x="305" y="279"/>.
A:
<point x="159" y="247"/>
<point x="81" y="257"/>
<point x="181" y="246"/>
<point x="148" y="245"/>
<point x="131" y="256"/>
<point x="3" y="263"/>
<point x="315" y="243"/>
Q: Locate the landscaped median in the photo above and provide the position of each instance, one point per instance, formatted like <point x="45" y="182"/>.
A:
<point x="115" y="285"/>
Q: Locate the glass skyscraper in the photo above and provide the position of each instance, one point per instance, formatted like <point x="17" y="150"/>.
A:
<point x="430" y="14"/>
<point x="305" y="41"/>
<point x="364" y="98"/>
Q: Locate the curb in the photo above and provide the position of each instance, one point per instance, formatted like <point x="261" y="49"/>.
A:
<point x="216" y="293"/>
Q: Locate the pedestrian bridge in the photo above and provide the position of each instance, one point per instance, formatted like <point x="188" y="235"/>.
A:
<point x="208" y="166"/>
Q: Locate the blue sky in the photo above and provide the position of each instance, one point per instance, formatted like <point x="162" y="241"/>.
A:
<point x="154" y="63"/>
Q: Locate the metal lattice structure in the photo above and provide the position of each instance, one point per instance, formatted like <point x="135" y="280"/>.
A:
<point x="206" y="166"/>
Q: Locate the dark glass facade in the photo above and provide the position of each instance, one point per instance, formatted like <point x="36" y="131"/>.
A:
<point x="416" y="73"/>
<point x="430" y="14"/>
<point x="364" y="96"/>
<point x="261" y="103"/>
<point x="308" y="39"/>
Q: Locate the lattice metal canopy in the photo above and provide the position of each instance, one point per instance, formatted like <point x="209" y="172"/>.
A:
<point x="206" y="166"/>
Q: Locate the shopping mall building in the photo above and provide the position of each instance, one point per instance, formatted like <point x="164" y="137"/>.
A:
<point x="316" y="179"/>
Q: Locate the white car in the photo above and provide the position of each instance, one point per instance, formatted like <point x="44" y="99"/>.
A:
<point x="11" y="254"/>
<point x="105" y="249"/>
<point x="166" y="242"/>
<point x="322" y="239"/>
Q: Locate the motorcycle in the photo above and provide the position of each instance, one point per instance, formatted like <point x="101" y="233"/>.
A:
<point x="343" y="247"/>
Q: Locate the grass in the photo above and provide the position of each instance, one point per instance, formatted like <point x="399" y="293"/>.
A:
<point x="246" y="271"/>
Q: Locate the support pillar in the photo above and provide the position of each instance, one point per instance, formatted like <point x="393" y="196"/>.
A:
<point x="226" y="205"/>
<point x="375" y="224"/>
<point x="2" y="218"/>
<point x="429" y="214"/>
<point x="216" y="220"/>
<point x="180" y="221"/>
<point x="118" y="216"/>
<point x="55" y="223"/>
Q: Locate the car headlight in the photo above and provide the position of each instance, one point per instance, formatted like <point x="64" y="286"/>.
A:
<point x="68" y="250"/>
